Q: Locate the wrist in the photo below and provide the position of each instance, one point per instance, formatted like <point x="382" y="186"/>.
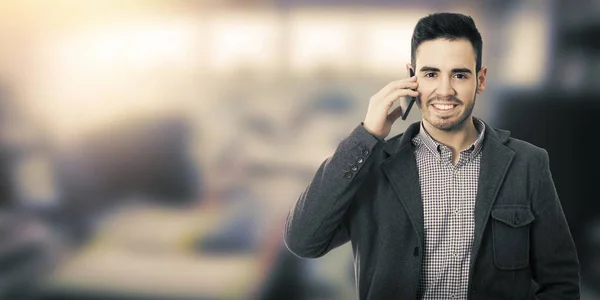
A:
<point x="378" y="136"/>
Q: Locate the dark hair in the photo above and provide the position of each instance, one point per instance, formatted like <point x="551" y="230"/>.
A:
<point x="451" y="26"/>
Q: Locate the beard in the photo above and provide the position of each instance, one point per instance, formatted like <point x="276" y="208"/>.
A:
<point x="448" y="123"/>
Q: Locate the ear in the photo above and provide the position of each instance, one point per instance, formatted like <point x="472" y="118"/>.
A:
<point x="481" y="80"/>
<point x="409" y="70"/>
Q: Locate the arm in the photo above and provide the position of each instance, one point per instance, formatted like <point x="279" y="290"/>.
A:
<point x="314" y="226"/>
<point x="554" y="259"/>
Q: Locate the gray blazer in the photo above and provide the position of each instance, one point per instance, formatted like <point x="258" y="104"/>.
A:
<point x="368" y="193"/>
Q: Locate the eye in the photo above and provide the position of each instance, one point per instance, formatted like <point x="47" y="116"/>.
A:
<point x="460" y="76"/>
<point x="430" y="75"/>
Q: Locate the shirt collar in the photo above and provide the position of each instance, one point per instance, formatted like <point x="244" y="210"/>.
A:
<point x="424" y="139"/>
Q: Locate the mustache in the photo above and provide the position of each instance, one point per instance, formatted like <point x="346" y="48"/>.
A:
<point x="449" y="100"/>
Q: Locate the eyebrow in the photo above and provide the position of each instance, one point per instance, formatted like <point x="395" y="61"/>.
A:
<point x="462" y="70"/>
<point x="455" y="70"/>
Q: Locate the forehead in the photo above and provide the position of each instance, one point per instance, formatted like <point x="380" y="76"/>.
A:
<point x="445" y="54"/>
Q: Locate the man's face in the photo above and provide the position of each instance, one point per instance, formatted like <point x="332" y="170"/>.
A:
<point x="448" y="83"/>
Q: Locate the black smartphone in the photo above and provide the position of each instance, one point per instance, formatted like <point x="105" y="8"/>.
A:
<point x="407" y="102"/>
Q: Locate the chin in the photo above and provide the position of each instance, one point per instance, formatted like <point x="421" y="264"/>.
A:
<point x="451" y="124"/>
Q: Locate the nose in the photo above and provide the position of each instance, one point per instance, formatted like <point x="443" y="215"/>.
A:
<point x="445" y="88"/>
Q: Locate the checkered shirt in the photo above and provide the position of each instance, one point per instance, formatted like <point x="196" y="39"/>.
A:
<point x="448" y="192"/>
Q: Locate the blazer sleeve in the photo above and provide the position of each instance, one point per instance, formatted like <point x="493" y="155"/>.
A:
<point x="315" y="224"/>
<point x="555" y="264"/>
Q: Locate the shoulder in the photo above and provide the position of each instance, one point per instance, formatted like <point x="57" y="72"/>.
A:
<point x="402" y="139"/>
<point x="523" y="150"/>
<point x="395" y="139"/>
<point x="533" y="155"/>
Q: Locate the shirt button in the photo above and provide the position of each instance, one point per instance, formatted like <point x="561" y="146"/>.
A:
<point x="452" y="296"/>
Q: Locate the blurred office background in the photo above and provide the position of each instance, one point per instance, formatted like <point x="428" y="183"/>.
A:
<point x="151" y="149"/>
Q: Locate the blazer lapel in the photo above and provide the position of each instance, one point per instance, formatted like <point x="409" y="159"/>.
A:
<point x="495" y="160"/>
<point x="401" y="169"/>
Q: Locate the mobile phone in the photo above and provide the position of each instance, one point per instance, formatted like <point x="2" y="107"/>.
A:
<point x="407" y="102"/>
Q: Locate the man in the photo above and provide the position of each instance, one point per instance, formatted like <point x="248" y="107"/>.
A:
<point x="450" y="209"/>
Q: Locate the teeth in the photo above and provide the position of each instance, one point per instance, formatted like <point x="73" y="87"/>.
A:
<point x="443" y="107"/>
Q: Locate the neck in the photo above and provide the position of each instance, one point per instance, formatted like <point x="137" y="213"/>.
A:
<point x="458" y="139"/>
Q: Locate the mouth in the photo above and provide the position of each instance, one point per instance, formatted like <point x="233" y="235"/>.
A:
<point x="443" y="108"/>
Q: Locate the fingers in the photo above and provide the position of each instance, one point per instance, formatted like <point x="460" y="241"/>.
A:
<point x="397" y="94"/>
<point x="410" y="83"/>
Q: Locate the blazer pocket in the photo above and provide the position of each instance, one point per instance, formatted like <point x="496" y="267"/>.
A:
<point x="511" y="236"/>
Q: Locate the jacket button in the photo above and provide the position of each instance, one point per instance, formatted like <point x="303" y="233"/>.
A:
<point x="366" y="152"/>
<point x="348" y="175"/>
<point x="353" y="168"/>
<point x="360" y="160"/>
<point x="416" y="251"/>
